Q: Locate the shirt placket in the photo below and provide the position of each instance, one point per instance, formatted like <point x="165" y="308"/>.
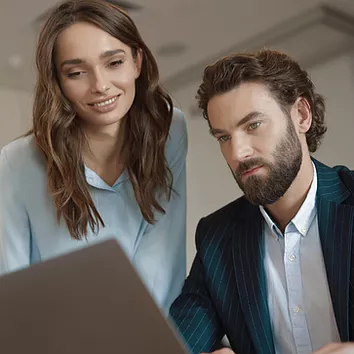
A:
<point x="295" y="292"/>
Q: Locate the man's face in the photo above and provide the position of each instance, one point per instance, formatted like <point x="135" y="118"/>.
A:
<point x="258" y="141"/>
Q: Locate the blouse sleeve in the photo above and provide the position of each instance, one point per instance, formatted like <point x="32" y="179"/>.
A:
<point x="14" y="223"/>
<point x="166" y="239"/>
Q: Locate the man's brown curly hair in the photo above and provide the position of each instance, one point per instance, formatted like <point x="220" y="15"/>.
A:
<point x="283" y="76"/>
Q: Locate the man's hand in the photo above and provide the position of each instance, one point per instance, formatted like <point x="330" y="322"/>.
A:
<point x="224" y="351"/>
<point x="336" y="348"/>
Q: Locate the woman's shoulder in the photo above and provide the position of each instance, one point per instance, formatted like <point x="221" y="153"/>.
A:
<point x="177" y="142"/>
<point x="178" y="124"/>
<point x="21" y="154"/>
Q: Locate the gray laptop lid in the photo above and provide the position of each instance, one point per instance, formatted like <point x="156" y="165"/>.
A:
<point x="89" y="301"/>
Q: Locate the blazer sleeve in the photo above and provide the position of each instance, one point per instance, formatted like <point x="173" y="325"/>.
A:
<point x="193" y="312"/>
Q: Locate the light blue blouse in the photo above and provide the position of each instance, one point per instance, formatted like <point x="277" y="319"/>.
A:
<point x="30" y="233"/>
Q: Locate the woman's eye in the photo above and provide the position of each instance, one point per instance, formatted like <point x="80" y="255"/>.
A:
<point x="74" y="74"/>
<point x="116" y="63"/>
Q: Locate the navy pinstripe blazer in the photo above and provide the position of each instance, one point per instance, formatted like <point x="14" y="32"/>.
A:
<point x="225" y="292"/>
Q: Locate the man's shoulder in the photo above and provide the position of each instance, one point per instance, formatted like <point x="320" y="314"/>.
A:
<point x="222" y="222"/>
<point x="233" y="210"/>
<point x="344" y="169"/>
<point x="331" y="174"/>
<point x="323" y="168"/>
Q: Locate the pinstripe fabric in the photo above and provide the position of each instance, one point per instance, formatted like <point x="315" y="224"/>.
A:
<point x="225" y="292"/>
<point x="336" y="215"/>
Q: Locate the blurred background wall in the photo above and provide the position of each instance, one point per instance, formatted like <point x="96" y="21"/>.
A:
<point x="186" y="35"/>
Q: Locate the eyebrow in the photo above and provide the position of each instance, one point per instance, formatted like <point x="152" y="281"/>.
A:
<point x="106" y="54"/>
<point x="250" y="116"/>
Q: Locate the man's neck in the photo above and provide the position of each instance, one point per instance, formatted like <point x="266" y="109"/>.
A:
<point x="284" y="210"/>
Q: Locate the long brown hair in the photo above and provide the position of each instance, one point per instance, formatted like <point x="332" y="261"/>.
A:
<point x="57" y="131"/>
<point x="282" y="75"/>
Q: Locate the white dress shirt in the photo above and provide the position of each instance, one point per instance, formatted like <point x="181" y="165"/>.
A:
<point x="299" y="300"/>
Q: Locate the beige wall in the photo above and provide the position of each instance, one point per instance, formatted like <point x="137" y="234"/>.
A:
<point x="336" y="81"/>
<point x="16" y="111"/>
<point x="210" y="184"/>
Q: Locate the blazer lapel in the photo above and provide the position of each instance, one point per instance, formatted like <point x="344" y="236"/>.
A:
<point x="248" y="255"/>
<point x="335" y="222"/>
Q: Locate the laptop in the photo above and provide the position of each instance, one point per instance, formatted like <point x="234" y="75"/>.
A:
<point x="90" y="301"/>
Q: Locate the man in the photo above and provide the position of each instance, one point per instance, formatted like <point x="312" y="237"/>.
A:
<point x="274" y="270"/>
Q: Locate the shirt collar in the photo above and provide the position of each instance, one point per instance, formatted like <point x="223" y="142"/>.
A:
<point x="304" y="217"/>
<point x="93" y="179"/>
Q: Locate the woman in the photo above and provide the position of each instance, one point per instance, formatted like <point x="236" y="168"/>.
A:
<point x="106" y="155"/>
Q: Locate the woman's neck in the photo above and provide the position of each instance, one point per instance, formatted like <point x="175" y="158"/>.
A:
<point x="102" y="152"/>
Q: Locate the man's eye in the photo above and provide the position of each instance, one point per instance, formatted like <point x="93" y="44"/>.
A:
<point x="222" y="139"/>
<point x="254" y="125"/>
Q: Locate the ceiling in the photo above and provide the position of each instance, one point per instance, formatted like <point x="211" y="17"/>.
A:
<point x="200" y="29"/>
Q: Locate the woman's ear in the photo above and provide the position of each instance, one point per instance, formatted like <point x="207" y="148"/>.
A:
<point x="138" y="62"/>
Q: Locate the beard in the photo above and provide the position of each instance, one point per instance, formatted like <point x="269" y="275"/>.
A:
<point x="287" y="157"/>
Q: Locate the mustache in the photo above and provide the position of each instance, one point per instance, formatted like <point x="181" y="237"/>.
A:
<point x="248" y="165"/>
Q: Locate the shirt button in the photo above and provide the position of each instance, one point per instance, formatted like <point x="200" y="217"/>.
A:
<point x="292" y="257"/>
<point x="303" y="231"/>
<point x="296" y="309"/>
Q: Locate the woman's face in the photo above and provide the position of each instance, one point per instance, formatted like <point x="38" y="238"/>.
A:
<point x="97" y="74"/>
